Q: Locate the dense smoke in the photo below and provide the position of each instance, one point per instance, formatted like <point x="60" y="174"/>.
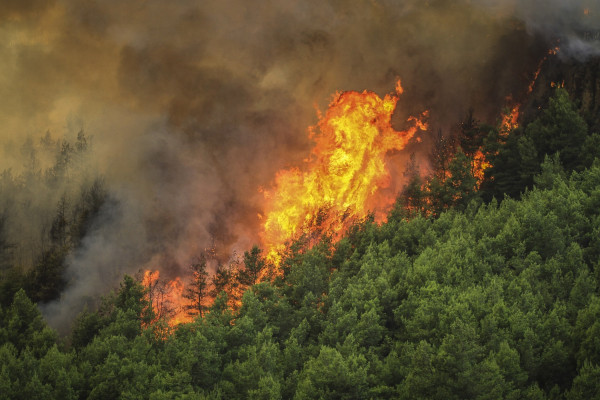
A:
<point x="194" y="105"/>
<point x="572" y="25"/>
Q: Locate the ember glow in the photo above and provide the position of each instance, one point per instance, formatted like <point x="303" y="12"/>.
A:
<point x="342" y="179"/>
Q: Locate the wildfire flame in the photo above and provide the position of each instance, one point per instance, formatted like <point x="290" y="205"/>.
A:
<point x="340" y="183"/>
<point x="480" y="164"/>
<point x="150" y="278"/>
<point x="167" y="300"/>
<point x="510" y="120"/>
<point x="343" y="177"/>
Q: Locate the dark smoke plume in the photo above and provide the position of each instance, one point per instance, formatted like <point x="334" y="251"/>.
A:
<point x="193" y="105"/>
<point x="573" y="25"/>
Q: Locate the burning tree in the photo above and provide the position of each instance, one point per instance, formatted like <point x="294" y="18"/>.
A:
<point x="345" y="173"/>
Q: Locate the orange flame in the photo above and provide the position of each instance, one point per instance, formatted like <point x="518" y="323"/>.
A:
<point x="150" y="278"/>
<point x="346" y="170"/>
<point x="510" y="119"/>
<point x="536" y="74"/>
<point x="175" y="291"/>
<point x="167" y="300"/>
<point x="480" y="164"/>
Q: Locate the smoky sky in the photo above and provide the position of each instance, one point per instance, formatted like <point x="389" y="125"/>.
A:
<point x="572" y="25"/>
<point x="194" y="105"/>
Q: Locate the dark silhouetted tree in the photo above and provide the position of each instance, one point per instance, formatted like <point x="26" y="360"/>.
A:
<point x="254" y="264"/>
<point x="197" y="291"/>
<point x="412" y="196"/>
<point x="471" y="134"/>
<point x="441" y="154"/>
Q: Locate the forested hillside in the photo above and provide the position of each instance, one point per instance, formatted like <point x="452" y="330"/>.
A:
<point x="47" y="207"/>
<point x="475" y="287"/>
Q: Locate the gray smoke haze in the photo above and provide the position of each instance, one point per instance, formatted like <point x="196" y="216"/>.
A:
<point x="573" y="25"/>
<point x="193" y="105"/>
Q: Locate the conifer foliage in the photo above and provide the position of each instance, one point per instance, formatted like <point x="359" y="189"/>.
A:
<point x="454" y="297"/>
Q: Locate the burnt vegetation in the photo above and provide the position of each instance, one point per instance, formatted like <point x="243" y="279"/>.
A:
<point x="478" y="286"/>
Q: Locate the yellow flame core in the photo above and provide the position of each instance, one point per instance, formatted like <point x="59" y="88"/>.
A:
<point x="346" y="169"/>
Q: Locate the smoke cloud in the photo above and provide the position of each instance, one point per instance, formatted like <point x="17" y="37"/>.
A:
<point x="193" y="106"/>
<point x="572" y="25"/>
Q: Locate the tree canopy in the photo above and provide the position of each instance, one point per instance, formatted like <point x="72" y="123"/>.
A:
<point x="452" y="298"/>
